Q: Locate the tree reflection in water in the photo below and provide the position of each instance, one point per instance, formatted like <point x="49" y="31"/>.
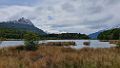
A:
<point x="0" y="42"/>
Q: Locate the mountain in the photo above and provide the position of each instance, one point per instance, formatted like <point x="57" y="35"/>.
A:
<point x="22" y="24"/>
<point x="111" y="34"/>
<point x="95" y="35"/>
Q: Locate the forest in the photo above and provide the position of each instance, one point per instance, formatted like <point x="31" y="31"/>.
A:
<point x="12" y="33"/>
<point x="18" y="34"/>
<point x="112" y="34"/>
<point x="67" y="36"/>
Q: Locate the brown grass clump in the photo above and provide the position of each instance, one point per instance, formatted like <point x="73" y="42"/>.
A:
<point x="60" y="57"/>
<point x="2" y="39"/>
<point x="114" y="41"/>
<point x="59" y="44"/>
<point x="86" y="43"/>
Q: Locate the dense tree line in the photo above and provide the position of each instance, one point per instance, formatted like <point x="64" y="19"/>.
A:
<point x="12" y="33"/>
<point x="113" y="34"/>
<point x="67" y="36"/>
<point x="18" y="34"/>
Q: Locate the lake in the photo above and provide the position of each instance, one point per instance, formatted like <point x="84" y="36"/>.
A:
<point x="79" y="43"/>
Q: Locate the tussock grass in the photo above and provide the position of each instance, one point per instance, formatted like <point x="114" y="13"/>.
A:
<point x="59" y="57"/>
<point x="60" y="44"/>
<point x="114" y="41"/>
<point x="117" y="42"/>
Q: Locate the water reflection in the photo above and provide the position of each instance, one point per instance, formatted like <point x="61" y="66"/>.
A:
<point x="0" y="42"/>
<point x="11" y="43"/>
<point x="79" y="43"/>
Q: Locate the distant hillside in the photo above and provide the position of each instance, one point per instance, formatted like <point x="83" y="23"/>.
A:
<point x="21" y="24"/>
<point x="112" y="34"/>
<point x="95" y="35"/>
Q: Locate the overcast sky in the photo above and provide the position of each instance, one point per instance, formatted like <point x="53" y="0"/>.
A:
<point x="54" y="16"/>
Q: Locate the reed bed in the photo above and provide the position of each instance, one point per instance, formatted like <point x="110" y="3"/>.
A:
<point x="59" y="57"/>
<point x="59" y="44"/>
<point x="114" y="41"/>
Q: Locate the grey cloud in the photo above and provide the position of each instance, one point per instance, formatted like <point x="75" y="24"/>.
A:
<point x="95" y="9"/>
<point x="68" y="7"/>
<point x="18" y="2"/>
<point x="97" y="21"/>
<point x="98" y="26"/>
<point x="112" y="2"/>
<point x="92" y="24"/>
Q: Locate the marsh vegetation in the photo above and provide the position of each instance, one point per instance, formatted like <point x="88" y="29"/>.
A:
<point x="60" y="57"/>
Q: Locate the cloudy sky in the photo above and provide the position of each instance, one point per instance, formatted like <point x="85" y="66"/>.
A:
<point x="54" y="16"/>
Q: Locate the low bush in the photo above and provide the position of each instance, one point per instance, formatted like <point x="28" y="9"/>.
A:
<point x="31" y="41"/>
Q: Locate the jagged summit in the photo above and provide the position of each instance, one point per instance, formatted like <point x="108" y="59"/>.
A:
<point x="21" y="21"/>
<point x="24" y="21"/>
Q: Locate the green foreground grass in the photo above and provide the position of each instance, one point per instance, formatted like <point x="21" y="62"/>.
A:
<point x="60" y="57"/>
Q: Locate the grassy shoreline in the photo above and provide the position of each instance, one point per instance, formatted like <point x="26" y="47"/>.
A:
<point x="60" y="57"/>
<point x="55" y="55"/>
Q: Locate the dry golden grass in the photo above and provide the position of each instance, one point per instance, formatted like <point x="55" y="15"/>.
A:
<point x="60" y="57"/>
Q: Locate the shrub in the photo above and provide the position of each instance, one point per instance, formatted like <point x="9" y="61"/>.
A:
<point x="31" y="41"/>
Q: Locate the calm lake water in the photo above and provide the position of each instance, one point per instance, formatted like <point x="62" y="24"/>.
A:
<point x="79" y="43"/>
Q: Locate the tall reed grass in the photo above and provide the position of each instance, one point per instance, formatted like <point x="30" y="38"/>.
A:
<point x="59" y="57"/>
